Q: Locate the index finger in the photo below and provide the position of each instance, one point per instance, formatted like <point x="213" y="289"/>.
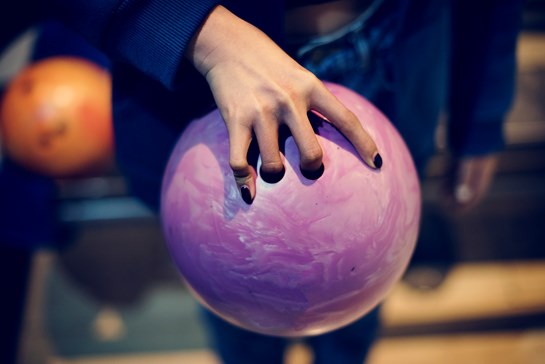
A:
<point x="348" y="124"/>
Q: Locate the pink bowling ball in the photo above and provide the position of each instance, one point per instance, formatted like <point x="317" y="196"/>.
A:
<point x="307" y="256"/>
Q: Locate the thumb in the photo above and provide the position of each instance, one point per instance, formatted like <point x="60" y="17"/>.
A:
<point x="471" y="180"/>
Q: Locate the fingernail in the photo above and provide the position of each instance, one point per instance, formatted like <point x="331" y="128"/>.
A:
<point x="246" y="195"/>
<point x="313" y="174"/>
<point x="377" y="161"/>
<point x="273" y="177"/>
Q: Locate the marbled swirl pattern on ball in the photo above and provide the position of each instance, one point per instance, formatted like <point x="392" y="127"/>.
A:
<point x="307" y="256"/>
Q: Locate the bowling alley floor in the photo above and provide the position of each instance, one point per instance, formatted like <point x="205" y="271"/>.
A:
<point x="491" y="312"/>
<point x="112" y="296"/>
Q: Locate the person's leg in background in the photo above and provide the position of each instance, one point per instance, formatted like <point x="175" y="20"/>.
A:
<point x="420" y="72"/>
<point x="350" y="344"/>
<point x="421" y="69"/>
<point x="238" y="346"/>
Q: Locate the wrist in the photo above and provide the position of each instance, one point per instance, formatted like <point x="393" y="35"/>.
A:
<point x="204" y="47"/>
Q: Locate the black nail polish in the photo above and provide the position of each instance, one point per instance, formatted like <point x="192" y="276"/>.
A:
<point x="313" y="175"/>
<point x="272" y="177"/>
<point x="246" y="195"/>
<point x="378" y="161"/>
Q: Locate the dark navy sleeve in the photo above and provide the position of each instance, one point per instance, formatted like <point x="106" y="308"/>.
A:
<point x="483" y="73"/>
<point x="27" y="208"/>
<point x="150" y="35"/>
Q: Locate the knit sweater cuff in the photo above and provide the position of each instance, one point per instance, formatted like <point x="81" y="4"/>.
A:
<point x="154" y="35"/>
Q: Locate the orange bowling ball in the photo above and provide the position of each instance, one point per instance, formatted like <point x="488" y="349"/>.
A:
<point x="56" y="118"/>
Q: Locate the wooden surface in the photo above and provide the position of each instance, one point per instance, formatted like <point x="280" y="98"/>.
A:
<point x="470" y="292"/>
<point x="496" y="348"/>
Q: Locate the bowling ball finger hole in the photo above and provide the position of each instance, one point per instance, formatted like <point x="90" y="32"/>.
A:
<point x="313" y="175"/>
<point x="272" y="177"/>
<point x="283" y="134"/>
<point x="253" y="153"/>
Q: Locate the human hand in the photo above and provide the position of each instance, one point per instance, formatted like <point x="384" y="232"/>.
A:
<point x="257" y="87"/>
<point x="469" y="181"/>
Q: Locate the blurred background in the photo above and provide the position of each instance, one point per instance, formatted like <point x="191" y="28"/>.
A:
<point x="109" y="293"/>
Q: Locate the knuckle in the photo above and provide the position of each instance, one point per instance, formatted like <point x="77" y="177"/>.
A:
<point x="309" y="82"/>
<point x="242" y="180"/>
<point x="239" y="167"/>
<point x="229" y="112"/>
<point x="303" y="85"/>
<point x="312" y="157"/>
<point x="264" y="109"/>
<point x="268" y="106"/>
<point x="239" y="114"/>
<point x="272" y="166"/>
<point x="307" y="78"/>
